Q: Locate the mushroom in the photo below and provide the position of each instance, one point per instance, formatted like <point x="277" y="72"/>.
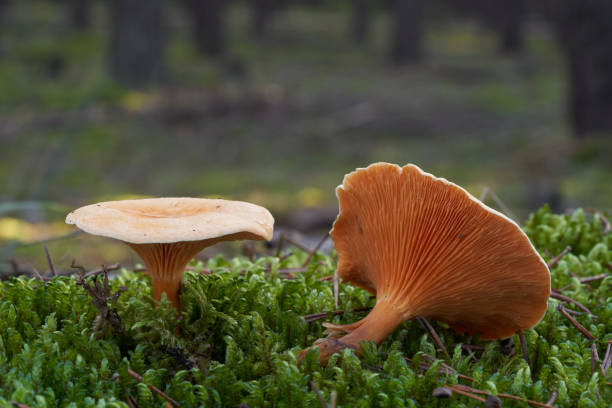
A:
<point x="168" y="232"/>
<point x="427" y="248"/>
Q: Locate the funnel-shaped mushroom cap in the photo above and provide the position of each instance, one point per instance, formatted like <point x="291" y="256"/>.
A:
<point x="166" y="220"/>
<point x="426" y="247"/>
<point x="168" y="232"/>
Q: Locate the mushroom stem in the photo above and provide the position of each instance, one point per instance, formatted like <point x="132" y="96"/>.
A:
<point x="170" y="288"/>
<point x="166" y="264"/>
<point x="376" y="327"/>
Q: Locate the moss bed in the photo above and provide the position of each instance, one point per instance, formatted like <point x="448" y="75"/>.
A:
<point x="243" y="323"/>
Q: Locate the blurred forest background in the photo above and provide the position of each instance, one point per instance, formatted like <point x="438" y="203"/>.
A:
<point x="273" y="101"/>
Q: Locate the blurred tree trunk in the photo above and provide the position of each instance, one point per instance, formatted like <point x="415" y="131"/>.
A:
<point x="586" y="35"/>
<point x="80" y="14"/>
<point x="361" y="20"/>
<point x="261" y="14"/>
<point x="3" y="8"/>
<point x="207" y="25"/>
<point x="136" y="41"/>
<point x="511" y="18"/>
<point x="407" y="37"/>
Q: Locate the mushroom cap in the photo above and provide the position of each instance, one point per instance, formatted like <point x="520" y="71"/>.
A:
<point x="433" y="250"/>
<point x="167" y="220"/>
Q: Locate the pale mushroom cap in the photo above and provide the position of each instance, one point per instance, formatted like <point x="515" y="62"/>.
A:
<point x="433" y="250"/>
<point x="167" y="220"/>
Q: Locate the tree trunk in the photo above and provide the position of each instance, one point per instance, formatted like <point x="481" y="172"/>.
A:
<point x="361" y="20"/>
<point x="80" y="14"/>
<point x="407" y="37"/>
<point x="207" y="25"/>
<point x="261" y="14"/>
<point x="3" y="8"/>
<point x="511" y="19"/>
<point x="137" y="41"/>
<point x="586" y="35"/>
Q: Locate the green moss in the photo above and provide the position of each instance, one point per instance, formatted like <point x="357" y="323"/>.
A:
<point x="242" y="326"/>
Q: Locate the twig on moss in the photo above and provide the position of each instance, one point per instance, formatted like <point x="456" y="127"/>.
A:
<point x="603" y="218"/>
<point x="100" y="296"/>
<point x="586" y="280"/>
<point x="594" y="278"/>
<point x="460" y="391"/>
<point x="153" y="388"/>
<point x="297" y="244"/>
<point x="467" y="388"/>
<point x="335" y="287"/>
<point x="557" y="258"/>
<point x="607" y="360"/>
<point x="292" y="270"/>
<point x="444" y="368"/>
<point x="318" y="316"/>
<point x="19" y="405"/>
<point x="564" y="298"/>
<point x="317" y="391"/>
<point x="131" y="402"/>
<point x="279" y="245"/>
<point x="38" y="275"/>
<point x="575" y="323"/>
<point x="98" y="271"/>
<point x="594" y="356"/>
<point x="524" y="347"/>
<point x="285" y="256"/>
<point x="315" y="249"/>
<point x="433" y="334"/>
<point x="553" y="398"/>
<point x="50" y="261"/>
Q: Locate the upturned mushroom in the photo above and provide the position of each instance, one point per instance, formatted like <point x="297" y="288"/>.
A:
<point x="168" y="232"/>
<point x="427" y="248"/>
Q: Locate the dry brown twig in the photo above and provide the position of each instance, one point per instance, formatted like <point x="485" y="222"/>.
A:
<point x="100" y="294"/>
<point x="335" y="287"/>
<point x="564" y="298"/>
<point x="19" y="405"/>
<point x="324" y="403"/>
<point x="153" y="388"/>
<point x="607" y="360"/>
<point x="433" y="334"/>
<point x="553" y="398"/>
<point x="131" y="402"/>
<point x="524" y="347"/>
<point x="594" y="356"/>
<point x="285" y="256"/>
<point x="557" y="258"/>
<point x="50" y="261"/>
<point x="279" y="245"/>
<point x="576" y="324"/>
<point x="469" y="389"/>
<point x="460" y="391"/>
<point x="315" y="249"/>
<point x="444" y="368"/>
<point x="603" y="218"/>
<point x="322" y="315"/>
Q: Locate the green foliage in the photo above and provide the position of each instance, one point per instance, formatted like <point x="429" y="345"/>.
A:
<point x="241" y="327"/>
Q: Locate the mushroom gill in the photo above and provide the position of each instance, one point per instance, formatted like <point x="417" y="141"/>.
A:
<point x="427" y="248"/>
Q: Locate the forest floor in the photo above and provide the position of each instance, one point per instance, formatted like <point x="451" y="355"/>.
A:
<point x="279" y="122"/>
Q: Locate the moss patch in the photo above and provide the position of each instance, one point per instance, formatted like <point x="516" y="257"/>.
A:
<point x="242" y="325"/>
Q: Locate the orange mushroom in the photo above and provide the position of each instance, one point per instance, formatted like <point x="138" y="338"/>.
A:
<point x="168" y="232"/>
<point x="427" y="248"/>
